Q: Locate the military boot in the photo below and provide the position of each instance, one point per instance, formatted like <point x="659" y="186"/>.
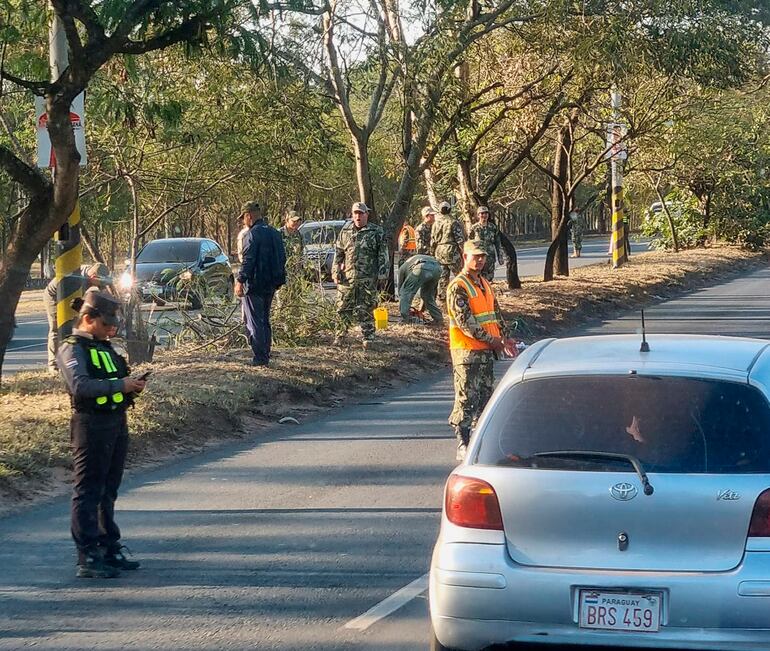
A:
<point x="463" y="435"/>
<point x="116" y="557"/>
<point x="91" y="565"/>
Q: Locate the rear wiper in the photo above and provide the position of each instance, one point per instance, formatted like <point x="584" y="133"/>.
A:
<point x="587" y="454"/>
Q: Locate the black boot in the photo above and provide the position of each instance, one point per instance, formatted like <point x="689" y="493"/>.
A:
<point x="116" y="557"/>
<point x="91" y="565"/>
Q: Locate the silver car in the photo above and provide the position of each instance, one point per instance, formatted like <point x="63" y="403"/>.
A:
<point x="613" y="497"/>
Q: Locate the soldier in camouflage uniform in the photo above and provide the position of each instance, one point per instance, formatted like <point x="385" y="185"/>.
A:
<point x="447" y="237"/>
<point x="476" y="336"/>
<point x="360" y="258"/>
<point x="423" y="231"/>
<point x="577" y="227"/>
<point x="292" y="238"/>
<point x="488" y="234"/>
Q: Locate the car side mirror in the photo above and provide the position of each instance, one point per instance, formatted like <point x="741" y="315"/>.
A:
<point x="207" y="260"/>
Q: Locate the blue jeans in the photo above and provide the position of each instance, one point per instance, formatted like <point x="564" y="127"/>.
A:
<point x="256" y="316"/>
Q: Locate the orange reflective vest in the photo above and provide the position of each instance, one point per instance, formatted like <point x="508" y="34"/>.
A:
<point x="482" y="306"/>
<point x="407" y="239"/>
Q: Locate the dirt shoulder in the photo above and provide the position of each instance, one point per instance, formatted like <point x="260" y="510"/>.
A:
<point x="196" y="400"/>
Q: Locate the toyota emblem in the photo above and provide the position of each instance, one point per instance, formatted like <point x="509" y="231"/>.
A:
<point x="623" y="491"/>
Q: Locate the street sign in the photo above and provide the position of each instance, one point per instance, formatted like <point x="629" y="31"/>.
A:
<point x="616" y="146"/>
<point x="45" y="154"/>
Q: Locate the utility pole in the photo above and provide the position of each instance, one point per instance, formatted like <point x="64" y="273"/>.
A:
<point x="69" y="250"/>
<point x="618" y="242"/>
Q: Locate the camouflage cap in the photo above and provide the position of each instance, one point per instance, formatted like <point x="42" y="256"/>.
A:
<point x="105" y="305"/>
<point x="473" y="247"/>
<point x="482" y="209"/>
<point x="359" y="206"/>
<point x="250" y="206"/>
<point x="292" y="216"/>
<point x="427" y="210"/>
<point x="100" y="273"/>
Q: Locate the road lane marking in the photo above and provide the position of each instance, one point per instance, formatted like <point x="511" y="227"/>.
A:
<point x="389" y="605"/>
<point x="12" y="348"/>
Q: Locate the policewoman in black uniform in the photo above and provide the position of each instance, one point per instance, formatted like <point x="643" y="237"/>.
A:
<point x="101" y="390"/>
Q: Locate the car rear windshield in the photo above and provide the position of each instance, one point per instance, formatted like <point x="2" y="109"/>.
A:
<point x="169" y="252"/>
<point x="677" y="425"/>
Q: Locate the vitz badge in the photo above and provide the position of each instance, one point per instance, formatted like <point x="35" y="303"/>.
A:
<point x="728" y="495"/>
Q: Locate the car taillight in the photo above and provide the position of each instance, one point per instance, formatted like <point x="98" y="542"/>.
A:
<point x="760" y="518"/>
<point x="472" y="503"/>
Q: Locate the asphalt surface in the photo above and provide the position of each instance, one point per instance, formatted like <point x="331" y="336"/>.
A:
<point x="279" y="542"/>
<point x="28" y="346"/>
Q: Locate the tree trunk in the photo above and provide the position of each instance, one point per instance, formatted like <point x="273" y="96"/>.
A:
<point x="559" y="261"/>
<point x="511" y="263"/>
<point x="464" y="193"/>
<point x="559" y="238"/>
<point x="363" y="173"/>
<point x="430" y="187"/>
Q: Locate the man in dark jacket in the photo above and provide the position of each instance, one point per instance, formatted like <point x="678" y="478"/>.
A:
<point x="263" y="271"/>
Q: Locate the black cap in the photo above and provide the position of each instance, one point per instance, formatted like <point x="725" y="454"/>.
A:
<point x="105" y="304"/>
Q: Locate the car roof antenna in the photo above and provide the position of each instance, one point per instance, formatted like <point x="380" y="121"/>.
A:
<point x="645" y="347"/>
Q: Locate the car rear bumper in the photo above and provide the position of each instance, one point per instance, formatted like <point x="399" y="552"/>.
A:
<point x="480" y="597"/>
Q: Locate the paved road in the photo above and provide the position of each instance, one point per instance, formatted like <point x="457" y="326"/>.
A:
<point x="532" y="259"/>
<point x="280" y="542"/>
<point x="28" y="347"/>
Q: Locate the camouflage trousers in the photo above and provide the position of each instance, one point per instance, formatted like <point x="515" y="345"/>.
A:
<point x="355" y="304"/>
<point x="446" y="273"/>
<point x="473" y="374"/>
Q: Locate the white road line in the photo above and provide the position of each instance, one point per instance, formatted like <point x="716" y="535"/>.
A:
<point x="10" y="350"/>
<point x="389" y="605"/>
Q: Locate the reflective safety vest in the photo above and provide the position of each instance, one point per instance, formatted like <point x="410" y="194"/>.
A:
<point x="482" y="306"/>
<point x="102" y="366"/>
<point x="407" y="239"/>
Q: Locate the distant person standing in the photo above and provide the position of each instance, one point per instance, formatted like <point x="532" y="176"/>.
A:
<point x="292" y="238"/>
<point x="423" y="231"/>
<point x="420" y="273"/>
<point x="476" y="330"/>
<point x="262" y="273"/>
<point x="488" y="234"/>
<point x="95" y="275"/>
<point x="577" y="227"/>
<point x="100" y="391"/>
<point x="360" y="259"/>
<point x="246" y="221"/>
<point x="447" y="237"/>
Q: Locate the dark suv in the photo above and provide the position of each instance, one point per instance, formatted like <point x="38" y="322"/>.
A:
<point x="180" y="268"/>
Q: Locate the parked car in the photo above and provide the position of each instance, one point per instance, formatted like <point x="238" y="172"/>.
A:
<point x="613" y="497"/>
<point x="318" y="252"/>
<point x="180" y="268"/>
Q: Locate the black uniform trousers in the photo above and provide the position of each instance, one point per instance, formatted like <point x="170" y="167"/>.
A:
<point x="256" y="316"/>
<point x="99" y="445"/>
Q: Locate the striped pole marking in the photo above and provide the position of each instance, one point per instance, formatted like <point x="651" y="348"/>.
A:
<point x="68" y="261"/>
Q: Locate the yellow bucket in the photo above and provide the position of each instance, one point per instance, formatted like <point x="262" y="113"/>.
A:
<point x="380" y="318"/>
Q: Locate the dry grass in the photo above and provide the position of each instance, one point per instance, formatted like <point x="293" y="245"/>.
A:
<point x="31" y="303"/>
<point x="195" y="399"/>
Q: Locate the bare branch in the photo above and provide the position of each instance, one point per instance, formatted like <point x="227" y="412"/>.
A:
<point x="186" y="31"/>
<point x="37" y="87"/>
<point x="28" y="176"/>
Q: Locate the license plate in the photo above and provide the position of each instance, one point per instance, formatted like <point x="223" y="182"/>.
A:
<point x="620" y="611"/>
